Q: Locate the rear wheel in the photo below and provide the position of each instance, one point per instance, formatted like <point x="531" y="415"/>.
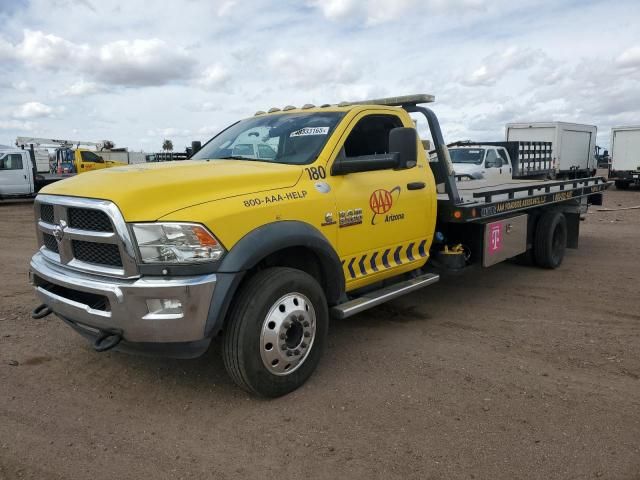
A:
<point x="550" y="240"/>
<point x="276" y="332"/>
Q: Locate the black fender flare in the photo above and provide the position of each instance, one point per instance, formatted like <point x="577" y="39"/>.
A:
<point x="259" y="244"/>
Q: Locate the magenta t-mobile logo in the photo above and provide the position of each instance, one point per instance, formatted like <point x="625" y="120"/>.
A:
<point x="495" y="237"/>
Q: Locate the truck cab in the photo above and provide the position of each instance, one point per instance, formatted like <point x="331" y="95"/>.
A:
<point x="81" y="160"/>
<point x="16" y="173"/>
<point x="481" y="162"/>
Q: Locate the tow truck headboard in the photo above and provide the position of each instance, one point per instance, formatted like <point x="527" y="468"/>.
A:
<point x="442" y="169"/>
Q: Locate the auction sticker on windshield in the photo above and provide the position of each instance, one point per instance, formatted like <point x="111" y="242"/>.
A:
<point x="303" y="132"/>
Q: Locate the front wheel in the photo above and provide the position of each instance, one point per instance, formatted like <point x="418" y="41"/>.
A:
<point x="276" y="332"/>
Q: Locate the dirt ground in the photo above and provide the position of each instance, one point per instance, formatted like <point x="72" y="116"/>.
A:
<point x="511" y="372"/>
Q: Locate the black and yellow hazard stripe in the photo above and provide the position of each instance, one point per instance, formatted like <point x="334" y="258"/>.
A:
<point x="381" y="260"/>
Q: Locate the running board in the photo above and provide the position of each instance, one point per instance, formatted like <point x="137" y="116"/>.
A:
<point x="377" y="297"/>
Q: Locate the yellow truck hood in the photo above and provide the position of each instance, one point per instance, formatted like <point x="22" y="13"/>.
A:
<point x="146" y="192"/>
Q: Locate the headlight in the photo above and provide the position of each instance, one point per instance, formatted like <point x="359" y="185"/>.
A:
<point x="176" y="243"/>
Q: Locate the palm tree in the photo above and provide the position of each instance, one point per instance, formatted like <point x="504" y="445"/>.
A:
<point x="167" y="145"/>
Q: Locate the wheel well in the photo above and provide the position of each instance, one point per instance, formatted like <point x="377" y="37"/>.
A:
<point x="300" y="258"/>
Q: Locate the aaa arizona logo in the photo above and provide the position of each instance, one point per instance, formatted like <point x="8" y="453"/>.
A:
<point x="381" y="201"/>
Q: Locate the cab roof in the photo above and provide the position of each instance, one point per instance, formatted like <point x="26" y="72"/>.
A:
<point x="400" y="101"/>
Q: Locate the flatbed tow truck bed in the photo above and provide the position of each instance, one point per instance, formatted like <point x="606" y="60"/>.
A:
<point x="481" y="200"/>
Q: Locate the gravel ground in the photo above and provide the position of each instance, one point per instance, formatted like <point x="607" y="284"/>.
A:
<point x="511" y="372"/>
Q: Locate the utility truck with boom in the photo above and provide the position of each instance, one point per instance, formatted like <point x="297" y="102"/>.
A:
<point x="69" y="159"/>
<point x="345" y="214"/>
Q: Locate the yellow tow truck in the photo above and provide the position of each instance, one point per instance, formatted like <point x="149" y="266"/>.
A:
<point x="343" y="212"/>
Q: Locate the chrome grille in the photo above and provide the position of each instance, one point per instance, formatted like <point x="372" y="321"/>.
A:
<point x="89" y="219"/>
<point x="98" y="253"/>
<point x="46" y="212"/>
<point x="85" y="234"/>
<point x="50" y="242"/>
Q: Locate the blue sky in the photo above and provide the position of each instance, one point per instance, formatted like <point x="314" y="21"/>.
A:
<point x="136" y="74"/>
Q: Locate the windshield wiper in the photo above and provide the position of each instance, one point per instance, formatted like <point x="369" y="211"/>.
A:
<point x="236" y="157"/>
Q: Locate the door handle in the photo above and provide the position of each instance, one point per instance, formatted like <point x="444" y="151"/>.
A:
<point x="416" y="185"/>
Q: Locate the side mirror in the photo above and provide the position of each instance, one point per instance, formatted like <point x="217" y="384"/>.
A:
<point x="363" y="163"/>
<point x="404" y="142"/>
<point x="195" y="146"/>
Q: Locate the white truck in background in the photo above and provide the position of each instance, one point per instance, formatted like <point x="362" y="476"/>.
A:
<point x="573" y="145"/>
<point x="625" y="156"/>
<point x="20" y="174"/>
<point x="500" y="161"/>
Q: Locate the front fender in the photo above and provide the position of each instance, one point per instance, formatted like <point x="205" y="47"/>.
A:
<point x="259" y="244"/>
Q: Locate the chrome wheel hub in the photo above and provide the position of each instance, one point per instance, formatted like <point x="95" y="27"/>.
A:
<point x="287" y="335"/>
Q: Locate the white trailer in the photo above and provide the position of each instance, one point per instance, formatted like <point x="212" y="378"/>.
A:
<point x="625" y="156"/>
<point x="122" y="155"/>
<point x="573" y="144"/>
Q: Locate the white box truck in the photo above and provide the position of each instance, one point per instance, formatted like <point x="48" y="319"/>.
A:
<point x="625" y="156"/>
<point x="573" y="145"/>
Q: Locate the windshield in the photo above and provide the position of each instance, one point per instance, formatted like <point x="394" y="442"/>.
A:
<point x="466" y="155"/>
<point x="292" y="138"/>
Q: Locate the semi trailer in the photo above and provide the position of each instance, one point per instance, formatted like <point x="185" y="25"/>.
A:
<point x="348" y="213"/>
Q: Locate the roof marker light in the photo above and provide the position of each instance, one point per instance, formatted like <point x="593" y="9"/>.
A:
<point x="274" y="109"/>
<point x="307" y="106"/>
<point x="289" y="107"/>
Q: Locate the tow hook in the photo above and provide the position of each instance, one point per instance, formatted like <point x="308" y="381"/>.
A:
<point x="41" y="311"/>
<point x="106" y="341"/>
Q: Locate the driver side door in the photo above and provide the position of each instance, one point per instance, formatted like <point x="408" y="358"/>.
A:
<point x="383" y="216"/>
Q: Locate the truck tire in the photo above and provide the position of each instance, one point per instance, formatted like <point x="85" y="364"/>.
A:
<point x="276" y="331"/>
<point x="550" y="240"/>
<point x="622" y="185"/>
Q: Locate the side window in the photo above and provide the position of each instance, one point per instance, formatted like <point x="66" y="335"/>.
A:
<point x="266" y="152"/>
<point x="11" y="161"/>
<point x="492" y="159"/>
<point x="91" y="157"/>
<point x="244" y="149"/>
<point x="503" y="156"/>
<point x="370" y="136"/>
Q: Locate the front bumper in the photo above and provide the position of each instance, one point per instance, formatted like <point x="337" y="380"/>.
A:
<point x="93" y="304"/>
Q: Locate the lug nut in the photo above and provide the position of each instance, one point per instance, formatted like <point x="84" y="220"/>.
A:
<point x="283" y="336"/>
<point x="289" y="353"/>
<point x="296" y="352"/>
<point x="307" y="334"/>
<point x="287" y="324"/>
<point x="303" y="345"/>
<point x="283" y="346"/>
<point x="306" y="323"/>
